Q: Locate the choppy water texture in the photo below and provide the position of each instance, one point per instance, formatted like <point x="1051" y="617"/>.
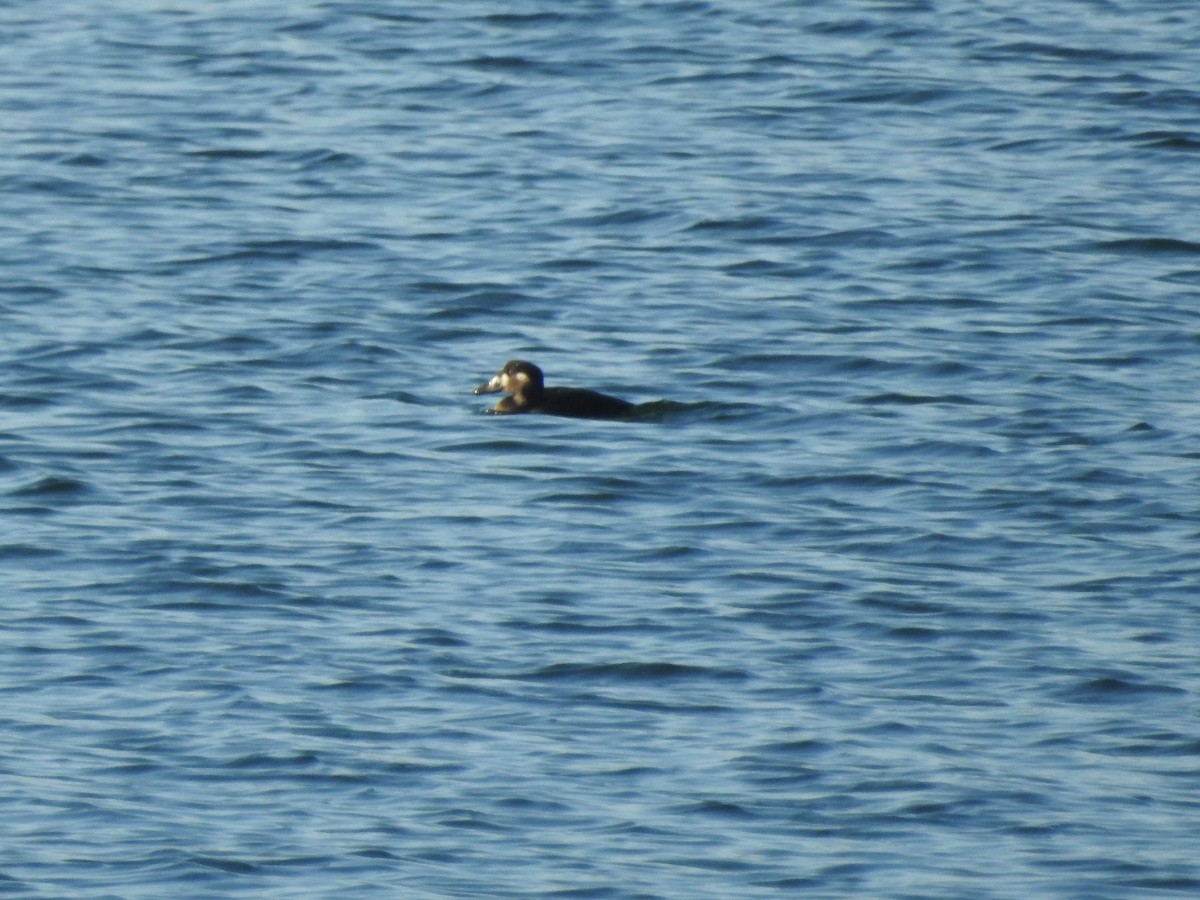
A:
<point x="895" y="593"/>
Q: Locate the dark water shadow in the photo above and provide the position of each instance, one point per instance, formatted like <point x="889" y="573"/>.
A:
<point x="673" y="412"/>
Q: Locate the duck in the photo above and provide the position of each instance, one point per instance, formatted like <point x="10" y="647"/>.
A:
<point x="527" y="393"/>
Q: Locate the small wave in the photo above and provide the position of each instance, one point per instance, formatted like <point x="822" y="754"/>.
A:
<point x="743" y="223"/>
<point x="224" y="864"/>
<point x="865" y="238"/>
<point x="766" y="268"/>
<point x="1167" y="140"/>
<point x="1150" y="246"/>
<point x="631" y="671"/>
<point x="569" y="264"/>
<point x="52" y="486"/>
<point x="1116" y="689"/>
<point x="721" y="808"/>
<point x="523" y="20"/>
<point x="305" y="159"/>
<point x="894" y="398"/>
<point x="236" y="153"/>
<point x="27" y="552"/>
<point x="289" y="250"/>
<point x="843" y="26"/>
<point x="399" y="397"/>
<point x="500" y="63"/>
<point x="1025" y="50"/>
<point x="630" y="216"/>
<point x="85" y="160"/>
<point x="25" y="401"/>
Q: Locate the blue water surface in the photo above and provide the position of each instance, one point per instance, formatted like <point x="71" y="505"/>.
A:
<point x="891" y="589"/>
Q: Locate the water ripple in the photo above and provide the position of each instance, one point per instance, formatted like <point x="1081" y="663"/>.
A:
<point x="888" y="588"/>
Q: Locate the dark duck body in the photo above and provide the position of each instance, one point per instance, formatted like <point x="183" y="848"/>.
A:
<point x="527" y="393"/>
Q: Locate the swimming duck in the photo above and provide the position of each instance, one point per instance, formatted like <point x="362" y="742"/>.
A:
<point x="525" y="385"/>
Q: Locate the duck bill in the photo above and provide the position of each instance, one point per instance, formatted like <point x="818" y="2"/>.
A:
<point x="490" y="387"/>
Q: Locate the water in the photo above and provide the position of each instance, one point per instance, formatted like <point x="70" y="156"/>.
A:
<point x="893" y="592"/>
